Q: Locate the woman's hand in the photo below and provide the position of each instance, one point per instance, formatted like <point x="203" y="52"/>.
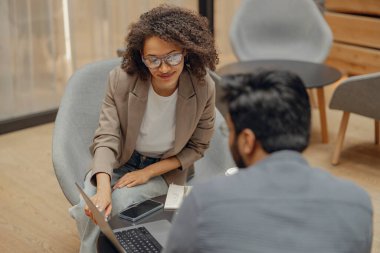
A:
<point x="134" y="178"/>
<point x="142" y="176"/>
<point x="102" y="199"/>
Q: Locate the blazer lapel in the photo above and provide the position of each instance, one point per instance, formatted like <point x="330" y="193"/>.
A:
<point x="186" y="109"/>
<point x="136" y="108"/>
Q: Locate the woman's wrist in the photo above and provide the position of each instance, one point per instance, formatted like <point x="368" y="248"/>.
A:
<point x="163" y="166"/>
<point x="151" y="170"/>
<point x="103" y="182"/>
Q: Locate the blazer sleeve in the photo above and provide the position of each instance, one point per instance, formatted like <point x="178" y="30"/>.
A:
<point x="106" y="143"/>
<point x="200" y="139"/>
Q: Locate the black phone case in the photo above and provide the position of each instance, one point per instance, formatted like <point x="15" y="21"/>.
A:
<point x="150" y="211"/>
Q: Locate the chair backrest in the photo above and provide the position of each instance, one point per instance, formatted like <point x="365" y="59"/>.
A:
<point x="217" y="158"/>
<point x="280" y="29"/>
<point x="215" y="77"/>
<point x="78" y="118"/>
<point x="359" y="94"/>
<point x="76" y="122"/>
<point x="220" y="104"/>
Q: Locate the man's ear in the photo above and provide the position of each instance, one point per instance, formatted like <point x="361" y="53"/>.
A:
<point x="246" y="142"/>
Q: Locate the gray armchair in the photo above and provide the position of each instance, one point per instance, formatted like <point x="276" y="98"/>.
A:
<point x="77" y="120"/>
<point x="280" y="29"/>
<point x="359" y="95"/>
<point x="277" y="30"/>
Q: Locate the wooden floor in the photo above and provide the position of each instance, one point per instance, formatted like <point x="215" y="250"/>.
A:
<point x="34" y="217"/>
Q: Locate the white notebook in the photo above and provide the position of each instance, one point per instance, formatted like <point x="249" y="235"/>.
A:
<point x="175" y="195"/>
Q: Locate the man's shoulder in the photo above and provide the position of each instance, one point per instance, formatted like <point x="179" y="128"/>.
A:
<point x="346" y="191"/>
<point x="320" y="182"/>
<point x="283" y="176"/>
<point x="217" y="190"/>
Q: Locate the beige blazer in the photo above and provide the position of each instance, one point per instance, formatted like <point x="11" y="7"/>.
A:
<point x="122" y="113"/>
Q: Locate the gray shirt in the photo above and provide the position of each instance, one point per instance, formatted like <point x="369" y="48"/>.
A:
<point x="281" y="205"/>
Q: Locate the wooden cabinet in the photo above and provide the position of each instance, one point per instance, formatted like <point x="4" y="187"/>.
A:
<point x="356" y="28"/>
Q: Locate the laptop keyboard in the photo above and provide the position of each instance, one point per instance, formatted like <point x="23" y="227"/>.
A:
<point x="138" y="240"/>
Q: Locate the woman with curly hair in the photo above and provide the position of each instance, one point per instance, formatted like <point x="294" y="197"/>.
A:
<point x="157" y="117"/>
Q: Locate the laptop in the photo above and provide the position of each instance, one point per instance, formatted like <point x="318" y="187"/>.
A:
<point x="124" y="239"/>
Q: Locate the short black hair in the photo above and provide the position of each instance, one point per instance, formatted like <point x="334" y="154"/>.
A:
<point x="273" y="104"/>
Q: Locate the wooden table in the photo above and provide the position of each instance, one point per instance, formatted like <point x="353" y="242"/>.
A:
<point x="314" y="76"/>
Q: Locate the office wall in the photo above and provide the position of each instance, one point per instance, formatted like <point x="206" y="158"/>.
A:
<point x="224" y="11"/>
<point x="44" y="41"/>
<point x="30" y="55"/>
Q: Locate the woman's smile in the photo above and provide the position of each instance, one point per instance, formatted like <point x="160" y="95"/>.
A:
<point x="166" y="76"/>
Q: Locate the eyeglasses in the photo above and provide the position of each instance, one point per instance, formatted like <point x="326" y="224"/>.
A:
<point x="172" y="59"/>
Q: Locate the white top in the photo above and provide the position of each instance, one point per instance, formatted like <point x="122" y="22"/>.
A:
<point x="157" y="131"/>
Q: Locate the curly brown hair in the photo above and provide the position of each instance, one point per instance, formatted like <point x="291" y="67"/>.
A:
<point x="176" y="25"/>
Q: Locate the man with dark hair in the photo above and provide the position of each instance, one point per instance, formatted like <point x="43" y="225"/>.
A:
<point x="277" y="203"/>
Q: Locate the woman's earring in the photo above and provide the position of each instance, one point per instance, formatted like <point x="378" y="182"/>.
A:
<point x="187" y="63"/>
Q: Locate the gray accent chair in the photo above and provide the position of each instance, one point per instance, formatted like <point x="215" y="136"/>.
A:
<point x="359" y="95"/>
<point x="220" y="104"/>
<point x="292" y="30"/>
<point x="280" y="29"/>
<point x="77" y="120"/>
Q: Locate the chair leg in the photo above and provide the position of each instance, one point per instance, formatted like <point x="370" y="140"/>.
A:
<point x="313" y="102"/>
<point x="341" y="134"/>
<point x="322" y="114"/>
<point x="377" y="132"/>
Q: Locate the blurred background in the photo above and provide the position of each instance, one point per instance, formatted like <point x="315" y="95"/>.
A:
<point x="44" y="41"/>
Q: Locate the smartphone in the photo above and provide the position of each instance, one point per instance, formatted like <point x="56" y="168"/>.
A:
<point x="140" y="210"/>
